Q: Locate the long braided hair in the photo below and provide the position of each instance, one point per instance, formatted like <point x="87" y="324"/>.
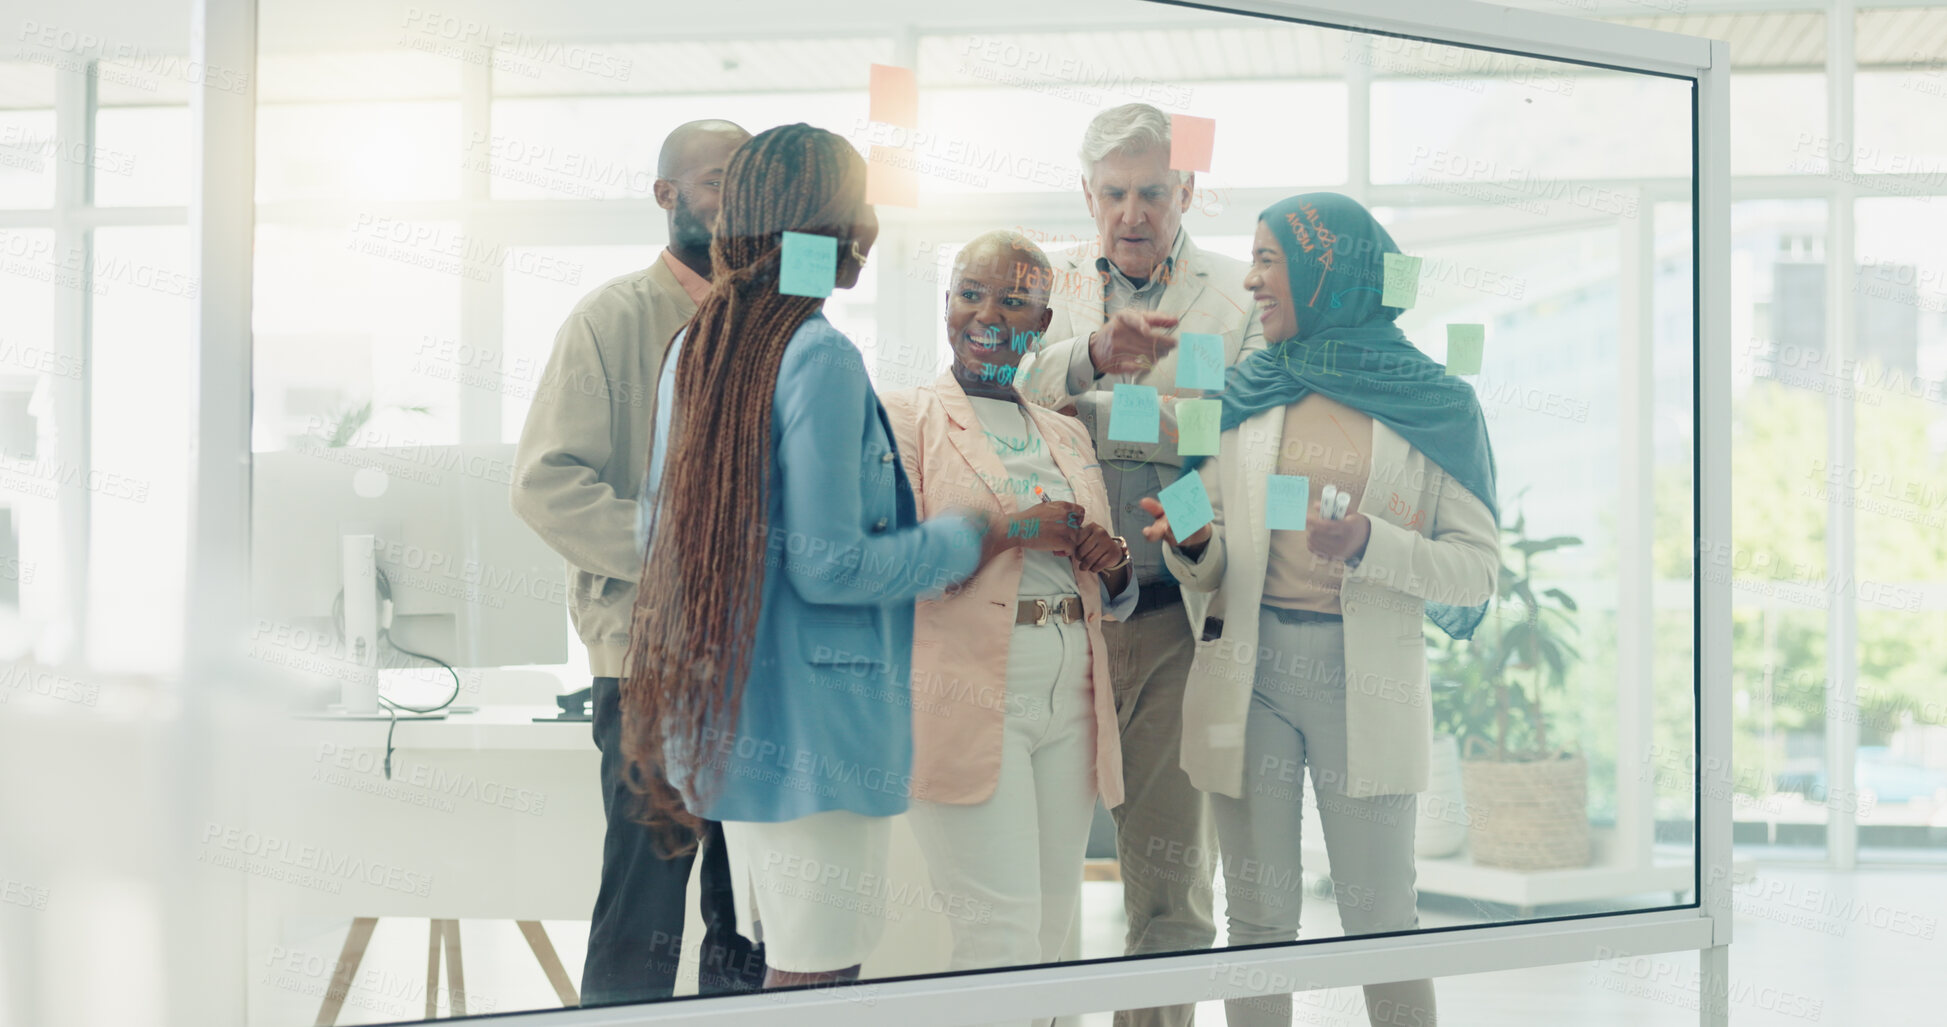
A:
<point x="701" y="591"/>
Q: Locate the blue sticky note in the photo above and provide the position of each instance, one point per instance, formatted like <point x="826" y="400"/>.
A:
<point x="1186" y="504"/>
<point x="1134" y="414"/>
<point x="1200" y="361"/>
<point x="809" y="265"/>
<point x="1197" y="424"/>
<point x="1287" y="501"/>
<point x="1464" y="346"/>
<point x="1402" y="281"/>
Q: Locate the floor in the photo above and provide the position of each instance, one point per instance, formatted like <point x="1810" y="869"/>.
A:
<point x="1812" y="947"/>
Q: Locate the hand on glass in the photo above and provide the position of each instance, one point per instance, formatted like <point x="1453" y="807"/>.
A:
<point x="1160" y="530"/>
<point x="1336" y="540"/>
<point x="1131" y="341"/>
<point x="1097" y="550"/>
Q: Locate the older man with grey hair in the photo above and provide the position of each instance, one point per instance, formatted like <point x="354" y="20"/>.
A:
<point x="1120" y="304"/>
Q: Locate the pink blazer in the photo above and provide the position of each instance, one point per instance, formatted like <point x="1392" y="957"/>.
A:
<point x="960" y="643"/>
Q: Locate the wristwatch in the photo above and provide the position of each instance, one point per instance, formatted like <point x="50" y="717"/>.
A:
<point x="1126" y="555"/>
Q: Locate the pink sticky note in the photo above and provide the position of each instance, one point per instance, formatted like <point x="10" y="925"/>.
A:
<point x="890" y="178"/>
<point x="895" y="96"/>
<point x="1191" y="140"/>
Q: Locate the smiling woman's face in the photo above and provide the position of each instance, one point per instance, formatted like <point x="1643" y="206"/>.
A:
<point x="1271" y="287"/>
<point x="996" y="309"/>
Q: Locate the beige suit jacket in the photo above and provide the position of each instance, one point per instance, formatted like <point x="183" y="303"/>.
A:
<point x="960" y="643"/>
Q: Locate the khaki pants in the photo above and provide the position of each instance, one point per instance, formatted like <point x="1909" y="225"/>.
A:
<point x="1166" y="842"/>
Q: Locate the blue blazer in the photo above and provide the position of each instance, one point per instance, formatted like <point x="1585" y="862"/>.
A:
<point x="826" y="720"/>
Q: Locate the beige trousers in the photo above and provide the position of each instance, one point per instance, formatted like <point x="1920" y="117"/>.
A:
<point x="1166" y="841"/>
<point x="1297" y="724"/>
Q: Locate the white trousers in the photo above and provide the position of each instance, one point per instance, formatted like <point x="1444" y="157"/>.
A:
<point x="1014" y="862"/>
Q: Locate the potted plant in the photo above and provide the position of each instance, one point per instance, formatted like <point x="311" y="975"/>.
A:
<point x="346" y="425"/>
<point x="1526" y="800"/>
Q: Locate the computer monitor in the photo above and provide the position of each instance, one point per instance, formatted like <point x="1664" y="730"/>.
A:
<point x="469" y="583"/>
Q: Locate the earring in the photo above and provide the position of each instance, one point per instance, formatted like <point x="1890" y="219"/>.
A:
<point x="857" y="255"/>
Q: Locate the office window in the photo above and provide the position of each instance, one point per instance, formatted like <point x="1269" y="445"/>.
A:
<point x="1466" y="135"/>
<point x="32" y="371"/>
<point x="1900" y="93"/>
<point x="1898" y="492"/>
<point x="142" y="156"/>
<point x="364" y="151"/>
<point x="527" y="63"/>
<point x="1778" y="124"/>
<point x="604" y="147"/>
<point x="1783" y="374"/>
<point x="1008" y="140"/>
<point x="1249" y="159"/>
<point x="140" y="444"/>
<point x="358" y="126"/>
<point x="28" y="150"/>
<point x="142" y="130"/>
<point x="347" y="320"/>
<point x="1902" y="122"/>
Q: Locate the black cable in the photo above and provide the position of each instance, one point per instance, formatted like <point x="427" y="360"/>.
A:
<point x="393" y="708"/>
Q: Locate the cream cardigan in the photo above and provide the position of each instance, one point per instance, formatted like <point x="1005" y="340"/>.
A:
<point x="1431" y="540"/>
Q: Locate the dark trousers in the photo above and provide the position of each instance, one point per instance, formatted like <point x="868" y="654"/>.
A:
<point x="636" y="936"/>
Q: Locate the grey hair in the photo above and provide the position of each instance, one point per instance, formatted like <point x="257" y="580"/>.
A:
<point x="1132" y="127"/>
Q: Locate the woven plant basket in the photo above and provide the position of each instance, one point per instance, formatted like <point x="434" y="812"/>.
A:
<point x="1527" y="815"/>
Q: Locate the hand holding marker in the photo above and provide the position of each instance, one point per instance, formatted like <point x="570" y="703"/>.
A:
<point x="1333" y="504"/>
<point x="1043" y="497"/>
<point x="1333" y="535"/>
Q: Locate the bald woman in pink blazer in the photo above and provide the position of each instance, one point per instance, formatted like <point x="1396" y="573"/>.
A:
<point x="1014" y="720"/>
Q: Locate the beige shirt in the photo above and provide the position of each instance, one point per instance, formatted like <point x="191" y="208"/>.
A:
<point x="1330" y="443"/>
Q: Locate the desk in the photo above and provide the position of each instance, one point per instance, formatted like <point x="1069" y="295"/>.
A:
<point x="488" y="815"/>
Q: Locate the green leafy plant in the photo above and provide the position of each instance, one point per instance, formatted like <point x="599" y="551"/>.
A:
<point x="345" y="426"/>
<point x="1491" y="687"/>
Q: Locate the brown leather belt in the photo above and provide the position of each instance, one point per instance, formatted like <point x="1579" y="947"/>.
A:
<point x="1040" y="611"/>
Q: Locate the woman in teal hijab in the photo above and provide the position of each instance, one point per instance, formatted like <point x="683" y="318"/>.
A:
<point x="1311" y="652"/>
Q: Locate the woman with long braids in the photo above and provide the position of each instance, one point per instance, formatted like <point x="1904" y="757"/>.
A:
<point x="1316" y="658"/>
<point x="769" y="665"/>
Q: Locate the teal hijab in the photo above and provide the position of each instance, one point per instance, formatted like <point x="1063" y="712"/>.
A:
<point x="1348" y="348"/>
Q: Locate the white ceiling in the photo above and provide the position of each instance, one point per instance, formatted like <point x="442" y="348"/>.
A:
<point x="352" y="48"/>
<point x="1771" y="40"/>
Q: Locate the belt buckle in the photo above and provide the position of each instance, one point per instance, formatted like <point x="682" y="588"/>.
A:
<point x="1040" y="613"/>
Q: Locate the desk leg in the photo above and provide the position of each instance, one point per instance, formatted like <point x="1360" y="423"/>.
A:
<point x="537" y="939"/>
<point x="347" y="968"/>
<point x="433" y="934"/>
<point x="455" y="980"/>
